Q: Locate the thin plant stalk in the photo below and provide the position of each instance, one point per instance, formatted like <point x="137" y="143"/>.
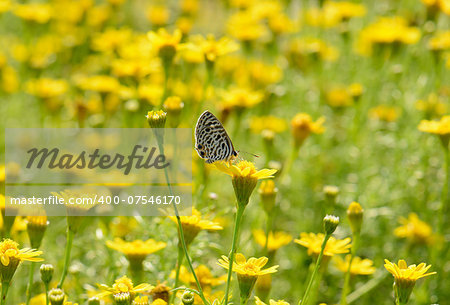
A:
<point x="234" y="244"/>
<point x="180" y="227"/>
<point x="46" y="293"/>
<point x="5" y="287"/>
<point x="30" y="282"/>
<point x="316" y="268"/>
<point x="348" y="273"/>
<point x="70" y="235"/>
<point x="177" y="272"/>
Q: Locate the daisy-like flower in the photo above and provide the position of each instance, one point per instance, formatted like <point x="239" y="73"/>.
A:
<point x="212" y="48"/>
<point x="414" y="229"/>
<point x="268" y="192"/>
<point x="240" y="98"/>
<point x="303" y="125"/>
<point x="405" y="277"/>
<point x="11" y="256"/>
<point x="359" y="265"/>
<point x="440" y="128"/>
<point x="204" y="276"/>
<point x="271" y="302"/>
<point x="314" y="244"/>
<point x="193" y="224"/>
<point x="244" y="178"/>
<point x="272" y="123"/>
<point x="275" y="241"/>
<point x="136" y="251"/>
<point x="123" y="285"/>
<point x="247" y="272"/>
<point x="165" y="44"/>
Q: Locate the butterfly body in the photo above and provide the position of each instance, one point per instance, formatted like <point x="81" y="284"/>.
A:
<point x="212" y="142"/>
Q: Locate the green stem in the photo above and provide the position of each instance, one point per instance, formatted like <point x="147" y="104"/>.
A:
<point x="5" y="287"/>
<point x="348" y="273"/>
<point x="366" y="288"/>
<point x="177" y="273"/>
<point x="70" y="235"/>
<point x="46" y="294"/>
<point x="234" y="244"/>
<point x="180" y="227"/>
<point x="316" y="268"/>
<point x="445" y="199"/>
<point x="30" y="282"/>
<point x="269" y="229"/>
<point x="287" y="167"/>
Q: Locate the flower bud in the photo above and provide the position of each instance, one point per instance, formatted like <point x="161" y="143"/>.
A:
<point x="156" y="119"/>
<point x="122" y="298"/>
<point x="187" y="298"/>
<point x="56" y="296"/>
<point x="355" y="216"/>
<point x="36" y="226"/>
<point x="330" y="224"/>
<point x="246" y="284"/>
<point x="162" y="292"/>
<point x="173" y="105"/>
<point x="46" y="273"/>
<point x="331" y="193"/>
<point x="268" y="192"/>
<point x="94" y="301"/>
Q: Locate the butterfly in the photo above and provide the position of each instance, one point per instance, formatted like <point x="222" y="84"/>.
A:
<point x="212" y="142"/>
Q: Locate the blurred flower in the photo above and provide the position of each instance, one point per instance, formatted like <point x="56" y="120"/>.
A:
<point x="339" y="97"/>
<point x="280" y="23"/>
<point x="158" y="15"/>
<point x="36" y="12"/>
<point x="110" y="39"/>
<point x="314" y="244"/>
<point x="245" y="26"/>
<point x="276" y="239"/>
<point x="355" y="216"/>
<point x="438" y="5"/>
<point x="47" y="88"/>
<point x="440" y="41"/>
<point x="192" y="225"/>
<point x="414" y="229"/>
<point x="268" y="192"/>
<point x="405" y="277"/>
<point x="301" y="52"/>
<point x="432" y="106"/>
<point x="98" y="15"/>
<point x="9" y="80"/>
<point x="302" y="126"/>
<point x="5" y="5"/>
<point x="136" y="251"/>
<point x="271" y="302"/>
<point x="204" y="276"/>
<point x="440" y="128"/>
<point x="387" y="30"/>
<point x="260" y="73"/>
<point x="164" y="43"/>
<point x="384" y="113"/>
<point x="359" y="266"/>
<point x="272" y="123"/>
<point x="160" y="293"/>
<point x="240" y="98"/>
<point x="36" y="227"/>
<point x="212" y="48"/>
<point x="333" y="13"/>
<point x="98" y="83"/>
<point x="123" y="284"/>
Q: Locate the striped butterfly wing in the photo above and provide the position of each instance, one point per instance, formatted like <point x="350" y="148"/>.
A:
<point x="211" y="139"/>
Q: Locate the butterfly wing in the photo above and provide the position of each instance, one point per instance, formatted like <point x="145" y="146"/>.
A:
<point x="211" y="139"/>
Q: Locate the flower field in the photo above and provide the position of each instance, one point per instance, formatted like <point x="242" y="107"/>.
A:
<point x="338" y="114"/>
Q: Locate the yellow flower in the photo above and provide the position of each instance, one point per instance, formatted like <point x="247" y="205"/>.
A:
<point x="110" y="39"/>
<point x="441" y="127"/>
<point x="440" y="41"/>
<point x="387" y="30"/>
<point x="204" y="276"/>
<point x="271" y="302"/>
<point x="332" y="13"/>
<point x="252" y="267"/>
<point x="10" y="253"/>
<point x="359" y="266"/>
<point x="245" y="26"/>
<point x="99" y="83"/>
<point x="164" y="43"/>
<point x="160" y="294"/>
<point x="240" y="98"/>
<point x="303" y="125"/>
<point x="384" y="113"/>
<point x="212" y="48"/>
<point x="123" y="284"/>
<point x="276" y="239"/>
<point x="405" y="277"/>
<point x="272" y="123"/>
<point x="37" y="12"/>
<point x="47" y="88"/>
<point x="136" y="251"/>
<point x="158" y="15"/>
<point x="192" y="225"/>
<point x="414" y="229"/>
<point x="5" y="5"/>
<point x="314" y="244"/>
<point x="339" y="97"/>
<point x="140" y="300"/>
<point x="303" y="50"/>
<point x="432" y="106"/>
<point x="442" y="5"/>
